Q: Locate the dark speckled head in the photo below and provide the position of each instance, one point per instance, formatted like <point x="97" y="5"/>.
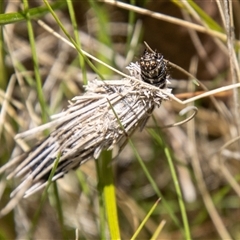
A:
<point x="153" y="68"/>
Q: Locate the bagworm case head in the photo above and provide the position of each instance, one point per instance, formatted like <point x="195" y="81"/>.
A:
<point x="154" y="69"/>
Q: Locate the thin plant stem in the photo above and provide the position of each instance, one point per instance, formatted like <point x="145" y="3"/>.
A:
<point x="36" y="65"/>
<point x="179" y="193"/>
<point x="77" y="39"/>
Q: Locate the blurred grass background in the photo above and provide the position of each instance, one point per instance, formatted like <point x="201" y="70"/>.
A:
<point x="35" y="86"/>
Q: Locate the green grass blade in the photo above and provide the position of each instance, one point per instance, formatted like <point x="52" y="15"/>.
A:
<point x="179" y="193"/>
<point x="158" y="230"/>
<point x="131" y="21"/>
<point x="145" y="220"/>
<point x="3" y="67"/>
<point x="82" y="182"/>
<point x="59" y="209"/>
<point x="203" y="15"/>
<point x="36" y="66"/>
<point x="154" y="185"/>
<point x="33" y="13"/>
<point x="77" y="39"/>
<point x="103" y="35"/>
<point x="109" y="194"/>
<point x="176" y="184"/>
<point x="72" y="40"/>
<point x="102" y="213"/>
<point x="3" y="73"/>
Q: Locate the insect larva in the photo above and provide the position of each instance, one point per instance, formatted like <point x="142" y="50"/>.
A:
<point x="102" y="119"/>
